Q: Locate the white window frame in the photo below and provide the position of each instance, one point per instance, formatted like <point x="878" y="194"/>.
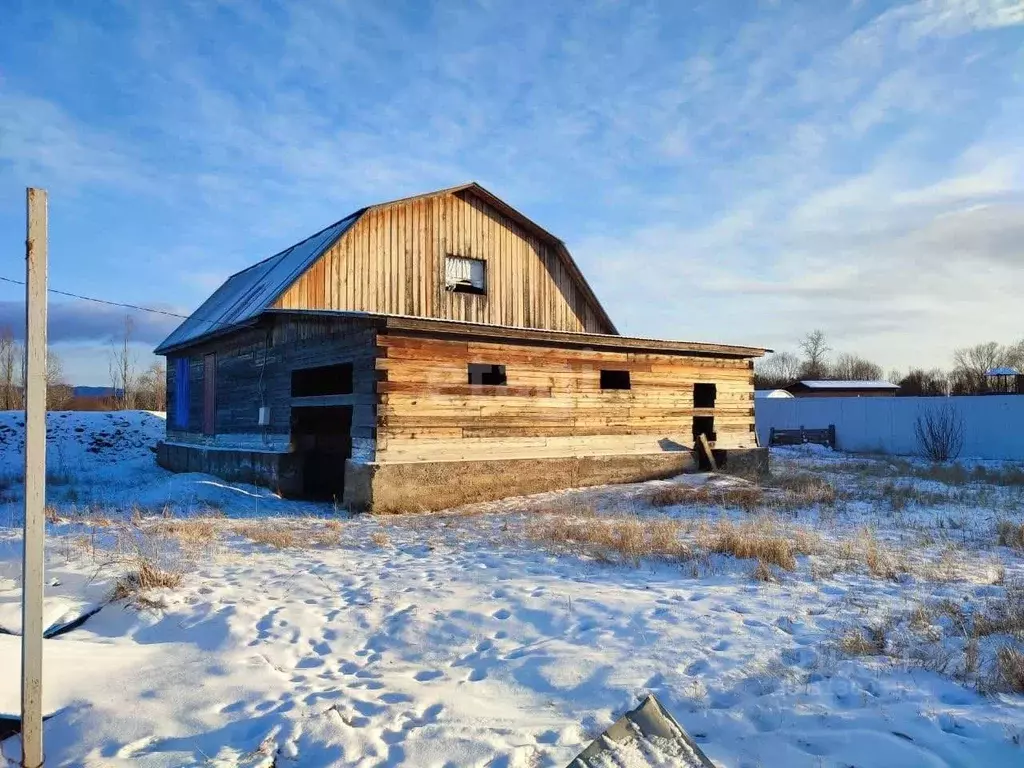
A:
<point x="465" y="275"/>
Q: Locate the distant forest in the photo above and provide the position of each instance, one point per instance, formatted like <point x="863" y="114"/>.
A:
<point x="130" y="388"/>
<point x="967" y="376"/>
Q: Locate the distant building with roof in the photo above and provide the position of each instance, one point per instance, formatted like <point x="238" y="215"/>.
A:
<point x="842" y="389"/>
<point x="1004" y="380"/>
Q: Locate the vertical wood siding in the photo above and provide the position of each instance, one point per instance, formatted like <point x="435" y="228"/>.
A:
<point x="392" y="262"/>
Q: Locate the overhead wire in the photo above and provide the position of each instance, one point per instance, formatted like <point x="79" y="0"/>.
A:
<point x="125" y="305"/>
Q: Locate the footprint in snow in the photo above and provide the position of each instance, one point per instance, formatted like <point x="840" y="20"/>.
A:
<point x="426" y="675"/>
<point x="502" y="614"/>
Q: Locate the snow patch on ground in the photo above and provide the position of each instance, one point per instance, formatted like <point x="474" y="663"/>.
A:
<point x="454" y="640"/>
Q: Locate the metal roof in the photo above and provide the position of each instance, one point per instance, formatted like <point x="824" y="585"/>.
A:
<point x="848" y="384"/>
<point x="247" y="294"/>
<point x="1002" y="371"/>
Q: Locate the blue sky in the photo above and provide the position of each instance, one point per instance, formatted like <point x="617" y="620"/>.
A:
<point x="722" y="171"/>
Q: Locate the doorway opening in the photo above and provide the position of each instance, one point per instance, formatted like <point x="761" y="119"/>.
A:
<point x="703" y="425"/>
<point x="322" y="437"/>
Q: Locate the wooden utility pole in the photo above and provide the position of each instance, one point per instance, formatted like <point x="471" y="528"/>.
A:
<point x="35" y="484"/>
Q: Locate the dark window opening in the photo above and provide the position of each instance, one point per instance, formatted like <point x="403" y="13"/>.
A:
<point x="615" y="379"/>
<point x="704" y="395"/>
<point x="325" y="380"/>
<point x="704" y="425"/>
<point x="487" y="375"/>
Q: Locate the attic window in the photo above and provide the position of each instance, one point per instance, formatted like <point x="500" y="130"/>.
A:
<point x="485" y="374"/>
<point x="615" y="379"/>
<point x="462" y="275"/>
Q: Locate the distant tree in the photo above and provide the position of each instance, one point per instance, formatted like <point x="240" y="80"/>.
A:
<point x="971" y="363"/>
<point x="121" y="364"/>
<point x="815" y="349"/>
<point x="776" y="370"/>
<point x="10" y="371"/>
<point x="921" y="383"/>
<point x="1015" y="356"/>
<point x="58" y="392"/>
<point x="854" y="368"/>
<point x="151" y="388"/>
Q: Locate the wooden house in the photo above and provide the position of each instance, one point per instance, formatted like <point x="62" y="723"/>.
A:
<point x="437" y="350"/>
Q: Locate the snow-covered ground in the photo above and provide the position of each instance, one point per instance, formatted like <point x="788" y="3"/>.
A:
<point x="481" y="638"/>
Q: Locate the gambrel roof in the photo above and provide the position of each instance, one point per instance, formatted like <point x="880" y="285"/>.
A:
<point x="248" y="294"/>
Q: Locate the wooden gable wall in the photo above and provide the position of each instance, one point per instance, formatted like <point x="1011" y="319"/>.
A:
<point x="392" y="262"/>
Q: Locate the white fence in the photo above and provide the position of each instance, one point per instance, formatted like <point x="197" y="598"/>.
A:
<point x="993" y="424"/>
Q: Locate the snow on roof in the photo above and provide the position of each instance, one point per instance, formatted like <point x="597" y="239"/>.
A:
<point x="1004" y="370"/>
<point x="848" y="384"/>
<point x="771" y="393"/>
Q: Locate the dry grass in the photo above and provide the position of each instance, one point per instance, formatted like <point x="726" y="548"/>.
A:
<point x="747" y="499"/>
<point x="269" y="534"/>
<point x="880" y="561"/>
<point x="867" y="641"/>
<point x="1001" y="617"/>
<point x="805" y="490"/>
<point x="763" y="572"/>
<point x="976" y="642"/>
<point x="192" y="535"/>
<point x="291" y="534"/>
<point x="380" y="538"/>
<point x="762" y="540"/>
<point x="785" y="493"/>
<point x="614" y="538"/>
<point x="1009" y="669"/>
<point x="144" y="577"/>
<point x="1010" y="534"/>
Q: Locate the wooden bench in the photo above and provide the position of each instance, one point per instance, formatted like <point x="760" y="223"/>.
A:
<point x="803" y="435"/>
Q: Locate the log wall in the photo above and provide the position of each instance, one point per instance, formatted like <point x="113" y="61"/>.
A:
<point x="552" y="404"/>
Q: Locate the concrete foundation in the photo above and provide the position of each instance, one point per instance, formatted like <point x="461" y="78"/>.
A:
<point x="386" y="488"/>
<point x="281" y="472"/>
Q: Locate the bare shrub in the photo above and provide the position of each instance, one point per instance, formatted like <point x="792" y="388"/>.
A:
<point x="1010" y="534"/>
<point x="380" y="538"/>
<point x="145" y="577"/>
<point x="940" y="432"/>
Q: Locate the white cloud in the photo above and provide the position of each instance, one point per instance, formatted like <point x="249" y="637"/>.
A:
<point x="719" y="177"/>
